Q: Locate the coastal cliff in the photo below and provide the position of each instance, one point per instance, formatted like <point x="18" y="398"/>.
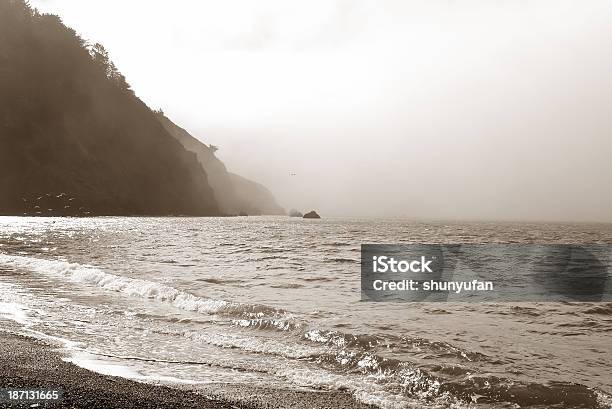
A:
<point x="234" y="193"/>
<point x="72" y="129"/>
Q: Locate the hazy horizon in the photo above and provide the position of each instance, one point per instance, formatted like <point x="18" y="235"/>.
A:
<point x="437" y="110"/>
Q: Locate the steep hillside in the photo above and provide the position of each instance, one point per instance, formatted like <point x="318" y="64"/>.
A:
<point x="235" y="194"/>
<point x="73" y="132"/>
<point x="254" y="197"/>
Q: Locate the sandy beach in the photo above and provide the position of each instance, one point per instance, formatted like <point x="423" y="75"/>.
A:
<point x="30" y="363"/>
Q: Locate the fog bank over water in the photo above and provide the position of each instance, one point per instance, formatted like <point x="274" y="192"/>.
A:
<point x="434" y="109"/>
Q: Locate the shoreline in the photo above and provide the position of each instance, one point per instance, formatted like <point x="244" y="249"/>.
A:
<point x="29" y="363"/>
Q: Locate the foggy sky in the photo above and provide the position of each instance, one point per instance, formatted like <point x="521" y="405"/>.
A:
<point x="424" y="109"/>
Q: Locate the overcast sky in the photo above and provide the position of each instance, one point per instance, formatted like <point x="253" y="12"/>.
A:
<point x="492" y="109"/>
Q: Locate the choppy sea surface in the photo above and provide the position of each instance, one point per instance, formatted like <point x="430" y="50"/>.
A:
<point x="275" y="301"/>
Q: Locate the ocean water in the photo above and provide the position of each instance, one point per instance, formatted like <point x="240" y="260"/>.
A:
<point x="275" y="301"/>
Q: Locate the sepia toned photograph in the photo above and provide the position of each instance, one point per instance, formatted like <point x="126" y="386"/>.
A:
<point x="325" y="204"/>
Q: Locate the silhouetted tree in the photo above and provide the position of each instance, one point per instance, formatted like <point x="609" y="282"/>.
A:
<point x="101" y="59"/>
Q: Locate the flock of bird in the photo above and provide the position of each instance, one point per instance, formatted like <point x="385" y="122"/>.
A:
<point x="54" y="204"/>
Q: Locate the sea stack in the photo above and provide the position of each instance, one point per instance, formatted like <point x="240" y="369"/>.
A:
<point x="312" y="215"/>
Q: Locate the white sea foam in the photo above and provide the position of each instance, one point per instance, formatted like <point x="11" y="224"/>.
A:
<point x="11" y="305"/>
<point x="254" y="344"/>
<point x="603" y="399"/>
<point x="363" y="389"/>
<point x="14" y="312"/>
<point x="81" y="273"/>
<point x="92" y="363"/>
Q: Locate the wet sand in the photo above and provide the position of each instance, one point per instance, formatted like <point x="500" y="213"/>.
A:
<point x="29" y="363"/>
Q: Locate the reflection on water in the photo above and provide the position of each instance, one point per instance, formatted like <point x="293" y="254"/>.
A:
<point x="275" y="301"/>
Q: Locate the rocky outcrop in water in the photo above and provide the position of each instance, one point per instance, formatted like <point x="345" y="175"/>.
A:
<point x="312" y="215"/>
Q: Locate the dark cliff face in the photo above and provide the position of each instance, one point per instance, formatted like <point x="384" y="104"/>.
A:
<point x="235" y="194"/>
<point x="71" y="129"/>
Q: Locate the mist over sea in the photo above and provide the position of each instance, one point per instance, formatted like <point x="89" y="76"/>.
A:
<point x="275" y="301"/>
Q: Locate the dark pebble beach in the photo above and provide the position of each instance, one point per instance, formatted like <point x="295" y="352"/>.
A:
<point x="28" y="363"/>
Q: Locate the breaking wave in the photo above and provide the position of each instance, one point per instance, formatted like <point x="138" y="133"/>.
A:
<point x="135" y="287"/>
